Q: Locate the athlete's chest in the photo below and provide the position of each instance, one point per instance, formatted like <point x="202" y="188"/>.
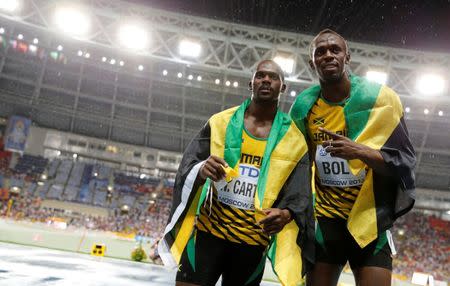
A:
<point x="323" y="115"/>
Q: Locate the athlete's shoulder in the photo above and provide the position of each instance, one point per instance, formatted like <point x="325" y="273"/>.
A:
<point x="382" y="94"/>
<point x="225" y="114"/>
<point x="389" y="93"/>
<point x="388" y="97"/>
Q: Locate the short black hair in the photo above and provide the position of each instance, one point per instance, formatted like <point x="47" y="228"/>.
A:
<point x="327" y="31"/>
<point x="280" y="70"/>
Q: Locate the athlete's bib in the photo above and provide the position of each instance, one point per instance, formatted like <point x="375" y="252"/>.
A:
<point x="335" y="172"/>
<point x="230" y="212"/>
<point x="240" y="192"/>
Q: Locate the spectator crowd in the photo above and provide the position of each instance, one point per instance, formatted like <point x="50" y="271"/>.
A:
<point x="423" y="245"/>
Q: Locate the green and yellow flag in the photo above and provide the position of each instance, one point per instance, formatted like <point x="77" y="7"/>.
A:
<point x="373" y="117"/>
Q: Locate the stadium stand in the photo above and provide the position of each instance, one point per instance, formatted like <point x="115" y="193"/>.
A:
<point x="136" y="203"/>
<point x="423" y="246"/>
<point x="31" y="165"/>
<point x="422" y="240"/>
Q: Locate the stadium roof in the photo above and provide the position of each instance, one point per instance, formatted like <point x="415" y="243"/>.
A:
<point x="412" y="24"/>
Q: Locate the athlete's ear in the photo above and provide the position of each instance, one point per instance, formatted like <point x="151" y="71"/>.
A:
<point x="283" y="88"/>
<point x="250" y="84"/>
<point x="347" y="58"/>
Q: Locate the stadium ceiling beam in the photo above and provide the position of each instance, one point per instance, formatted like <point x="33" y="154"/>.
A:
<point x="227" y="49"/>
<point x="232" y="47"/>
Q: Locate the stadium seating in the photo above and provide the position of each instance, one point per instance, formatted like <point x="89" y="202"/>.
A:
<point x="423" y="244"/>
<point x="31" y="165"/>
<point x="418" y="237"/>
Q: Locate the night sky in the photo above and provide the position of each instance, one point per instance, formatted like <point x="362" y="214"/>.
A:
<point x="412" y="24"/>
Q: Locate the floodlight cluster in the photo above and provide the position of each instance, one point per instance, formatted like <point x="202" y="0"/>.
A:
<point x="75" y="20"/>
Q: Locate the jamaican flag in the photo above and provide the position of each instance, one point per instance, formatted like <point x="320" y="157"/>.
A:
<point x="373" y="117"/>
<point x="284" y="182"/>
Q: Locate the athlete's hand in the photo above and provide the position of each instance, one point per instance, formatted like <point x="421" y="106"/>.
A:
<point x="343" y="147"/>
<point x="275" y="220"/>
<point x="212" y="168"/>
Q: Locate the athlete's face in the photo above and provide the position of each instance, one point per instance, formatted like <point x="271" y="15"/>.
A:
<point x="329" y="57"/>
<point x="267" y="83"/>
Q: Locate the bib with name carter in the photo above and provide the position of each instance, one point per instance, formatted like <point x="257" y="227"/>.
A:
<point x="336" y="186"/>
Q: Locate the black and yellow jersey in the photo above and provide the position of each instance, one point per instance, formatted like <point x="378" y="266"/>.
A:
<point x="336" y="187"/>
<point x="231" y="213"/>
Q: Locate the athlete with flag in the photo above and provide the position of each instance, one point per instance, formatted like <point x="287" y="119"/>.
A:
<point x="363" y="165"/>
<point x="243" y="193"/>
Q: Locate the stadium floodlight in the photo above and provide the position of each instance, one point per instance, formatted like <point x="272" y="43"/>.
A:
<point x="377" y="76"/>
<point x="179" y="75"/>
<point x="72" y="20"/>
<point x="426" y="111"/>
<point x="431" y="84"/>
<point x="35" y="41"/>
<point x="20" y="37"/>
<point x="217" y="81"/>
<point x="121" y="63"/>
<point x="2" y="30"/>
<point x="286" y="63"/>
<point x="190" y="77"/>
<point x="189" y="48"/>
<point x="141" y="67"/>
<point x="142" y="176"/>
<point x="9" y="5"/>
<point x="199" y="78"/>
<point x="80" y="53"/>
<point x="87" y="55"/>
<point x="112" y="61"/>
<point x="407" y="109"/>
<point x="235" y="84"/>
<point x="59" y="48"/>
<point x="228" y="83"/>
<point x="104" y="59"/>
<point x="133" y="37"/>
<point x="32" y="48"/>
<point x="75" y="155"/>
<point x="293" y="93"/>
<point x="440" y="113"/>
<point x="165" y="72"/>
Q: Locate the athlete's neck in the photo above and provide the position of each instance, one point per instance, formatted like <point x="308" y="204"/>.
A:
<point x="336" y="91"/>
<point x="262" y="110"/>
<point x="259" y="117"/>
